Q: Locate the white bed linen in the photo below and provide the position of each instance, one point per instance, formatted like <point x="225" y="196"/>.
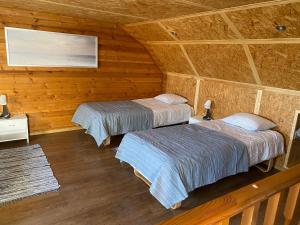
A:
<point x="262" y="145"/>
<point x="166" y="114"/>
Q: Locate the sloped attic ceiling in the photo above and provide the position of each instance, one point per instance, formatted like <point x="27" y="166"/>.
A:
<point x="123" y="11"/>
<point x="240" y="44"/>
<point x="234" y="40"/>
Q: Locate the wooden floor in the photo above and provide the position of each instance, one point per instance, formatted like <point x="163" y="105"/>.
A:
<point x="97" y="189"/>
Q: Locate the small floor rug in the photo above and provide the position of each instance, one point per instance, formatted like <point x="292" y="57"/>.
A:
<point x="24" y="172"/>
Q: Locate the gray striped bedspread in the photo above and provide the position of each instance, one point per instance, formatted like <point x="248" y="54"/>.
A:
<point x="104" y="119"/>
<point x="179" y="159"/>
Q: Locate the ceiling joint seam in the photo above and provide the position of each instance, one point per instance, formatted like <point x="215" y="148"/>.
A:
<point x="165" y="29"/>
<point x="189" y="60"/>
<point x="92" y="9"/>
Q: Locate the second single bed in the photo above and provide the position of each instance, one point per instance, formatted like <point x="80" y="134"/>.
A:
<point x="105" y="119"/>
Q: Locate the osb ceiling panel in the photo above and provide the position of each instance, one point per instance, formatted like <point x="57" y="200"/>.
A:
<point x="260" y="22"/>
<point x="136" y="10"/>
<point x="45" y="6"/>
<point x="227" y="98"/>
<point x="211" y="27"/>
<point x="171" y="58"/>
<point x="278" y="65"/>
<point x="148" y="32"/>
<point x="227" y="62"/>
<point x="220" y="4"/>
<point x="143" y="8"/>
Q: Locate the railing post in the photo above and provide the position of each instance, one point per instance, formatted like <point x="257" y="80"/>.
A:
<point x="250" y="215"/>
<point x="291" y="203"/>
<point x="272" y="209"/>
<point x="247" y="201"/>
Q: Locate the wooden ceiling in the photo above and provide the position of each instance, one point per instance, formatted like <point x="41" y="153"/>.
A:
<point x="233" y="40"/>
<point x="123" y="11"/>
<point x="239" y="44"/>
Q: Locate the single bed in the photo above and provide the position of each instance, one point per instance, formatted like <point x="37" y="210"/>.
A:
<point x="176" y="160"/>
<point x="105" y="119"/>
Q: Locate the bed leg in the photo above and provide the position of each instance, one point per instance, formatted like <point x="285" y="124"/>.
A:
<point x="270" y="166"/>
<point x="139" y="175"/>
<point x="106" y="142"/>
<point x="176" y="206"/>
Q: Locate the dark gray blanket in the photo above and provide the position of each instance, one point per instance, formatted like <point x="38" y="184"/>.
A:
<point x="103" y="119"/>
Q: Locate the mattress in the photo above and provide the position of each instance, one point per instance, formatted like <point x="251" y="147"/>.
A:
<point x="261" y="145"/>
<point x="166" y="114"/>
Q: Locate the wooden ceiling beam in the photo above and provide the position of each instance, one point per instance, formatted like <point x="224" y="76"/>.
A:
<point x="91" y="9"/>
<point x="245" y="47"/>
<point x="261" y="87"/>
<point x="198" y="5"/>
<point x="229" y="42"/>
<point x="189" y="60"/>
<point x="182" y="49"/>
<point x="252" y="64"/>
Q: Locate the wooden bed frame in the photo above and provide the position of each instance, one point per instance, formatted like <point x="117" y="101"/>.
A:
<point x="106" y="142"/>
<point x="178" y="204"/>
<point x="139" y="175"/>
<point x="269" y="166"/>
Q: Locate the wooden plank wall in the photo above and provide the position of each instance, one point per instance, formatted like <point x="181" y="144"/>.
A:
<point x="236" y="57"/>
<point x="50" y="95"/>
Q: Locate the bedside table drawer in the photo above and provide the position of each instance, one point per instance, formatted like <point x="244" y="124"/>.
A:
<point x="9" y="125"/>
<point x="14" y="128"/>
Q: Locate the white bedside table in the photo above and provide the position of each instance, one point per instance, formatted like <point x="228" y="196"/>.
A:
<point x="195" y="119"/>
<point x="14" y="128"/>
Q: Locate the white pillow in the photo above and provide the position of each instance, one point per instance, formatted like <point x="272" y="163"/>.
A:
<point x="249" y="122"/>
<point x="171" y="99"/>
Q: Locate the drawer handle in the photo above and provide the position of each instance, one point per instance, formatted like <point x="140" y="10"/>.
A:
<point x="11" y="125"/>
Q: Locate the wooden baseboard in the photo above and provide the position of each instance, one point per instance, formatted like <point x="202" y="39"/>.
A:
<point x="55" y="131"/>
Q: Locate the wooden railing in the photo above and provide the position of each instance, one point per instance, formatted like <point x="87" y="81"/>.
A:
<point x="247" y="201"/>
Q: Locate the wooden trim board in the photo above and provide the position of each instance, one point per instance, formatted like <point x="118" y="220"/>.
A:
<point x="288" y="151"/>
<point x="196" y="99"/>
<point x="55" y="131"/>
<point x="91" y="9"/>
<point x="231" y="25"/>
<point x="165" y="29"/>
<point x="181" y="75"/>
<point x="262" y="87"/>
<point x="258" y="101"/>
<point x="228" y="42"/>
<point x="245" y="47"/>
<point x="189" y="60"/>
<point x="252" y="64"/>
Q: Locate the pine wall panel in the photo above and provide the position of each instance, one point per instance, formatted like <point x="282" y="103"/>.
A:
<point x="50" y="95"/>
